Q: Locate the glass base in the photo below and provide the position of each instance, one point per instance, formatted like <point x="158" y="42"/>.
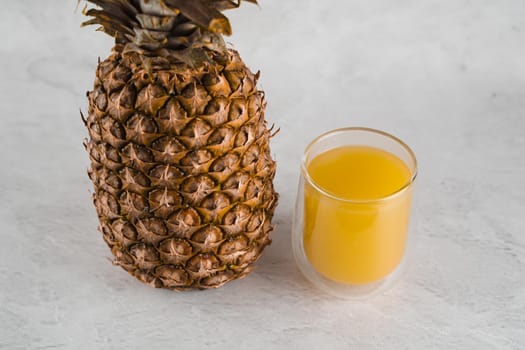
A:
<point x="340" y="290"/>
<point x="349" y="291"/>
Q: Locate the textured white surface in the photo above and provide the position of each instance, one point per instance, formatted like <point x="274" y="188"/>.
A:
<point x="448" y="77"/>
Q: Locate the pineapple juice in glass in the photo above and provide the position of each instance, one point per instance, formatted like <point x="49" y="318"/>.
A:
<point x="352" y="212"/>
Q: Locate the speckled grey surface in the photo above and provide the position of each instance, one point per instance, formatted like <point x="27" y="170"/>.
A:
<point x="448" y="77"/>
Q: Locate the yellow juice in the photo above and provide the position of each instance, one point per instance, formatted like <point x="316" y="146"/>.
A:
<point x="352" y="236"/>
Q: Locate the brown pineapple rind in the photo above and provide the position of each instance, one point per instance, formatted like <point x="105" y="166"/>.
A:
<point x="181" y="167"/>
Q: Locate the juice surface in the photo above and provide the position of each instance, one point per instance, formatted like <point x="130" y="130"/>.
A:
<point x="356" y="243"/>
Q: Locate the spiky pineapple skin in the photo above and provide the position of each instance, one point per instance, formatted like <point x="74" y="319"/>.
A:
<point x="181" y="167"/>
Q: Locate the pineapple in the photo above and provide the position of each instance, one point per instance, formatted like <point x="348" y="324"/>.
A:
<point x="179" y="146"/>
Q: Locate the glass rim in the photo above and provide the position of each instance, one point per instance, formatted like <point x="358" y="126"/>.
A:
<point x="385" y="198"/>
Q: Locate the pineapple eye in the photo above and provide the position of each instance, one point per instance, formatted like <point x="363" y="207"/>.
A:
<point x="151" y="229"/>
<point x="133" y="203"/>
<point x="250" y="157"/>
<point x="118" y="131"/>
<point x="166" y="173"/>
<point x="164" y="197"/>
<point x="196" y="128"/>
<point x="241" y="138"/>
<point x="122" y="73"/>
<point x="238" y="214"/>
<point x="203" y="263"/>
<point x="176" y="246"/>
<point x="137" y="152"/>
<point x="110" y="152"/>
<point x="212" y="107"/>
<point x="106" y="68"/>
<point x="237" y="110"/>
<point x="172" y="277"/>
<point x="175" y="251"/>
<point x="253" y="189"/>
<point x="255" y="221"/>
<point x="135" y="177"/>
<point x="226" y="162"/>
<point x="141" y="124"/>
<point x="220" y="135"/>
<point x="94" y="153"/>
<point x="124" y="229"/>
<point x="233" y="245"/>
<point x="121" y="257"/>
<point x="101" y="102"/>
<point x="186" y="217"/>
<point x="234" y="80"/>
<point x="111" y="179"/>
<point x="216" y="201"/>
<point x="168" y="145"/>
<point x="145" y="256"/>
<point x="195" y="158"/>
<point x="209" y="79"/>
<point x="171" y="111"/>
<point x="198" y="184"/>
<point x="107" y="205"/>
<point x="210" y="234"/>
<point x="189" y="91"/>
<point x="236" y="181"/>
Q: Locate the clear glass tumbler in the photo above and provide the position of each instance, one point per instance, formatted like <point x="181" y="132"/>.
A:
<point x="352" y="247"/>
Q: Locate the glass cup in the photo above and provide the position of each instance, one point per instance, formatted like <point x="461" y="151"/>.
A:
<point x="347" y="247"/>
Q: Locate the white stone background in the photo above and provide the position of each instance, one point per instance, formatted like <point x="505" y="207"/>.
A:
<point x="447" y="76"/>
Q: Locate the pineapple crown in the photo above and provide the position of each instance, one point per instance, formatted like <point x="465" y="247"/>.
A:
<point x="180" y="29"/>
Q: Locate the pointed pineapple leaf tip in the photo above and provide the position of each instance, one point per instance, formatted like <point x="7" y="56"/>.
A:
<point x="84" y="9"/>
<point x="77" y="5"/>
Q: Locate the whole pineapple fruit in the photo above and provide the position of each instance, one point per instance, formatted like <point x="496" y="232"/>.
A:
<point x="179" y="146"/>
